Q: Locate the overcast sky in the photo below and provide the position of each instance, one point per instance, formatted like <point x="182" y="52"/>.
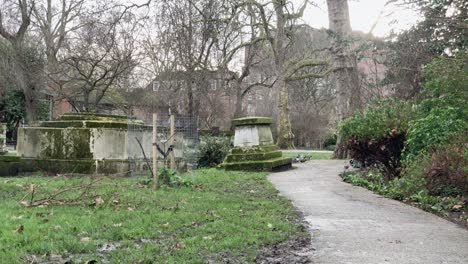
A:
<point x="364" y="14"/>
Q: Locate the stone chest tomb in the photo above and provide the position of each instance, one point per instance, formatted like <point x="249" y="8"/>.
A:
<point x="254" y="148"/>
<point x="85" y="143"/>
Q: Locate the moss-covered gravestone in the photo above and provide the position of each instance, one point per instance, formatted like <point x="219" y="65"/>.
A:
<point x="254" y="148"/>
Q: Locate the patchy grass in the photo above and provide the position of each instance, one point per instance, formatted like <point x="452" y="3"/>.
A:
<point x="228" y="215"/>
<point x="315" y="155"/>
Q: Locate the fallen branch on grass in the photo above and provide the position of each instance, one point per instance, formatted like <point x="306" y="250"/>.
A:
<point x="85" y="196"/>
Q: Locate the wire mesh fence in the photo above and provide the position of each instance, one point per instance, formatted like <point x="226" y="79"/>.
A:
<point x="180" y="148"/>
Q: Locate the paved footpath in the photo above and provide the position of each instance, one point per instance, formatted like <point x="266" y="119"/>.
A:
<point x="352" y="225"/>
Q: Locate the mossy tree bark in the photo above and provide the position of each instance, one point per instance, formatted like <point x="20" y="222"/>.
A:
<point x="285" y="134"/>
<point x="345" y="76"/>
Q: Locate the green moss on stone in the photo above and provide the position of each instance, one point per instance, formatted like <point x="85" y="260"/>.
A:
<point x="93" y="116"/>
<point x="66" y="166"/>
<point x="14" y="166"/>
<point x="248" y="121"/>
<point x="69" y="143"/>
<point x="6" y="158"/>
<point x="90" y="124"/>
<point x="253" y="156"/>
<point x="256" y="158"/>
<point x="264" y="165"/>
<point x="77" y="166"/>
<point x="254" y="149"/>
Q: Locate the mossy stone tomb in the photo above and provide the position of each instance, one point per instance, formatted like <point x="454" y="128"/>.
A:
<point x="254" y="148"/>
<point x="85" y="143"/>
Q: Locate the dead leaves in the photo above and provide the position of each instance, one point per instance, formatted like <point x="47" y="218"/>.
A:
<point x="177" y="246"/>
<point x="25" y="203"/>
<point x="460" y="205"/>
<point x="97" y="201"/>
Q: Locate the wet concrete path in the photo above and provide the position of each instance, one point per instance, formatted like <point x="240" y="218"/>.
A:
<point x="354" y="226"/>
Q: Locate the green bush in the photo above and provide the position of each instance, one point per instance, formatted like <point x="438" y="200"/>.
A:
<point x="411" y="182"/>
<point x="437" y="127"/>
<point x="169" y="178"/>
<point x="330" y="147"/>
<point x="378" y="120"/>
<point x="442" y="111"/>
<point x="213" y="150"/>
<point x="172" y="179"/>
<point x="330" y="140"/>
<point x="377" y="135"/>
<point x="446" y="82"/>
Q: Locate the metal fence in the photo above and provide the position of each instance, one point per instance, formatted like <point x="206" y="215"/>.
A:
<point x="180" y="149"/>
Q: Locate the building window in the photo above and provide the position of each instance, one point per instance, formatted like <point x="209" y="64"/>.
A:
<point x="156" y="86"/>
<point x="213" y="85"/>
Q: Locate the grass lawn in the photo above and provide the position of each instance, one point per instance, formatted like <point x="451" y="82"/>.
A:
<point x="228" y="215"/>
<point x="315" y="155"/>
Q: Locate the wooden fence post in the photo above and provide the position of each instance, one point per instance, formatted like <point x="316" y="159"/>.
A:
<point x="171" y="142"/>
<point x="155" y="151"/>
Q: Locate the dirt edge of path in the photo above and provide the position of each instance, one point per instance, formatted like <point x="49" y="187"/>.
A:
<point x="295" y="250"/>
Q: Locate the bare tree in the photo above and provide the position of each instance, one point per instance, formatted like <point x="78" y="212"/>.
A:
<point x="27" y="74"/>
<point x="56" y="19"/>
<point x="188" y="34"/>
<point x="99" y="58"/>
<point x="282" y="14"/>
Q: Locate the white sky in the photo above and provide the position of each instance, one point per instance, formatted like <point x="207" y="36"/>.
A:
<point x="364" y="14"/>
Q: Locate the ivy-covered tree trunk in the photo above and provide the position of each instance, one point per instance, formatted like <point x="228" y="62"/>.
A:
<point x="345" y="77"/>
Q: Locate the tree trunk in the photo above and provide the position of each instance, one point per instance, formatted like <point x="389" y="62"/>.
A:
<point x="190" y="98"/>
<point x="86" y="101"/>
<point x="285" y="134"/>
<point x="24" y="81"/>
<point x="238" y="112"/>
<point x="345" y="77"/>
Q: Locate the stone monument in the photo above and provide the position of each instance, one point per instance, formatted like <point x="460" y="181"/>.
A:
<point x="254" y="148"/>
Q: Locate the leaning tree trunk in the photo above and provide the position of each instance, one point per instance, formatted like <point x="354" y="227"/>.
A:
<point x="345" y="77"/>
